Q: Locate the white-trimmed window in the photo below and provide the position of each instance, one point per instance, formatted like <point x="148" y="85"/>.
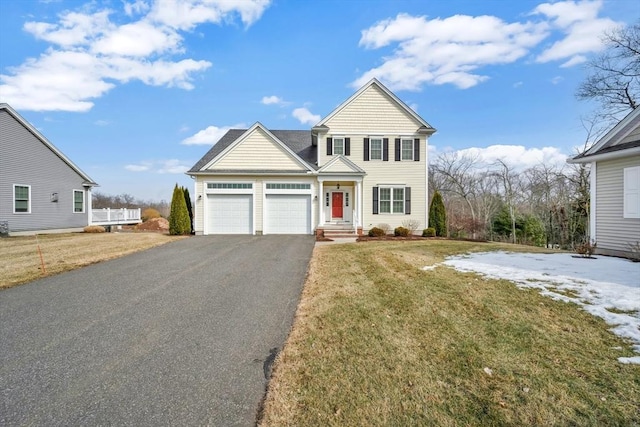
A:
<point x="21" y="198"/>
<point x="391" y="200"/>
<point x="375" y="149"/>
<point x="338" y="145"/>
<point x="78" y="201"/>
<point x="631" y="192"/>
<point x="406" y="149"/>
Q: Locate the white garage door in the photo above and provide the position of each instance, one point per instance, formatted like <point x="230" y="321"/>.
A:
<point x="288" y="214"/>
<point x="229" y="214"/>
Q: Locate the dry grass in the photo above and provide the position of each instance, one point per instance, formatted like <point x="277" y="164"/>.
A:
<point x="377" y="341"/>
<point x="20" y="261"/>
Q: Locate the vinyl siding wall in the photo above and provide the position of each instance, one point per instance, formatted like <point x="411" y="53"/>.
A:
<point x="613" y="231"/>
<point x="373" y="113"/>
<point x="258" y="195"/>
<point x="25" y="160"/>
<point x="256" y="151"/>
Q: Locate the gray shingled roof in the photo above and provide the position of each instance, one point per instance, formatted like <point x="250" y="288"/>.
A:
<point x="299" y="141"/>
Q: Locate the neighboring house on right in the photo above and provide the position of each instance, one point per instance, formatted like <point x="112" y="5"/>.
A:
<point x="615" y="187"/>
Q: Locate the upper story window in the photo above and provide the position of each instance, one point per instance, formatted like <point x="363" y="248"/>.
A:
<point x="21" y="198"/>
<point x="78" y="201"/>
<point x="406" y="150"/>
<point x="338" y="145"/>
<point x="375" y="149"/>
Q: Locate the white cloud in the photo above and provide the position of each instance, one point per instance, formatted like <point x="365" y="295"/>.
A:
<point x="304" y="116"/>
<point x="210" y="135"/>
<point x="518" y="156"/>
<point x="170" y="166"/>
<point x="102" y="123"/>
<point x="517" y="84"/>
<point x="173" y="166"/>
<point x="582" y="27"/>
<point x="454" y="49"/>
<point x="448" y="50"/>
<point x="273" y="100"/>
<point x="186" y="14"/>
<point x="557" y="79"/>
<point x="91" y="53"/>
<point x="143" y="167"/>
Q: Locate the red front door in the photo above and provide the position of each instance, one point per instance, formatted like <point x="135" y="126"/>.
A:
<point x="336" y="205"/>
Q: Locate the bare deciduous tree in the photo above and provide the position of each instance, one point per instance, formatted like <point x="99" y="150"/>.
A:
<point x="613" y="77"/>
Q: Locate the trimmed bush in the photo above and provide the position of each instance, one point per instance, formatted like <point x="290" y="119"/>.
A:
<point x="149" y="213"/>
<point x="376" y="232"/>
<point x="94" y="229"/>
<point x="401" y="232"/>
<point x="429" y="232"/>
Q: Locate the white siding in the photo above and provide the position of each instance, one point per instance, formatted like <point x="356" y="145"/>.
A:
<point x="371" y="114"/>
<point x="258" y="192"/>
<point x="613" y="231"/>
<point x="257" y="151"/>
<point x="373" y="111"/>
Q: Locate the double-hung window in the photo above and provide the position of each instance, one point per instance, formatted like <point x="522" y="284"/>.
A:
<point x="375" y="149"/>
<point x="78" y="201"/>
<point x="391" y="200"/>
<point x="406" y="149"/>
<point x="338" y="145"/>
<point x="21" y="198"/>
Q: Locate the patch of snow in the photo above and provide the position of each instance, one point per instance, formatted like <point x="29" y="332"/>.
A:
<point x="597" y="285"/>
<point x="429" y="267"/>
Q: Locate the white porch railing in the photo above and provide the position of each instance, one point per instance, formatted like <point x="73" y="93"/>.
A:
<point x="108" y="216"/>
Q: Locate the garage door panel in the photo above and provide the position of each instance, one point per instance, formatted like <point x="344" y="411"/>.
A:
<point x="230" y="213"/>
<point x="288" y="214"/>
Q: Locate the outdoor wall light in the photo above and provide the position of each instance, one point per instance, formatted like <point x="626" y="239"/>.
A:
<point x="338" y="186"/>
<point x="54" y="197"/>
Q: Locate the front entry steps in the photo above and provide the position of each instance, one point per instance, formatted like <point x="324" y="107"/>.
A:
<point x="337" y="231"/>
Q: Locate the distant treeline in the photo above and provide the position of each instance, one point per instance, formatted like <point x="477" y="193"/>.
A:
<point x="101" y="200"/>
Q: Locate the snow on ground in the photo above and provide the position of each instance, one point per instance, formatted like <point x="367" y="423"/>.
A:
<point x="597" y="285"/>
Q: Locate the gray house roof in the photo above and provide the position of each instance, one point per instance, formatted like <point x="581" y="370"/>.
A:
<point x="6" y="107"/>
<point x="622" y="140"/>
<point x="299" y="141"/>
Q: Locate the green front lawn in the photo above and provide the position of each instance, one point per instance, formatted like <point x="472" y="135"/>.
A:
<point x="378" y="341"/>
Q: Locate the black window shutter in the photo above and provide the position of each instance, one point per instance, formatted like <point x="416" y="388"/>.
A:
<point x="397" y="149"/>
<point x="366" y="149"/>
<point x="347" y="146"/>
<point x="329" y="146"/>
<point x="416" y="149"/>
<point x="385" y="149"/>
<point x="407" y="200"/>
<point x="375" y="200"/>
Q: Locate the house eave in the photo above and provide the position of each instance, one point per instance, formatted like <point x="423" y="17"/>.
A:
<point x="605" y="156"/>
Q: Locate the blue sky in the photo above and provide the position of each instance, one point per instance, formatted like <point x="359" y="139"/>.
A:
<point x="136" y="91"/>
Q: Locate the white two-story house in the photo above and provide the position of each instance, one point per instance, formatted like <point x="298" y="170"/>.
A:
<point x="362" y="165"/>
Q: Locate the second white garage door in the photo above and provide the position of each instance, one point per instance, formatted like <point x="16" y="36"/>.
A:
<point x="288" y="214"/>
<point x="229" y="214"/>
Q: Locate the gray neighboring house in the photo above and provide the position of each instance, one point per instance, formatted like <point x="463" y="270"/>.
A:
<point x="40" y="188"/>
<point x="615" y="187"/>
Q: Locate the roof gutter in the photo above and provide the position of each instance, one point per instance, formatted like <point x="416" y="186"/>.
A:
<point x="605" y="156"/>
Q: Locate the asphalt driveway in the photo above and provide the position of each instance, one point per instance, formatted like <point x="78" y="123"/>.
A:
<point x="182" y="334"/>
